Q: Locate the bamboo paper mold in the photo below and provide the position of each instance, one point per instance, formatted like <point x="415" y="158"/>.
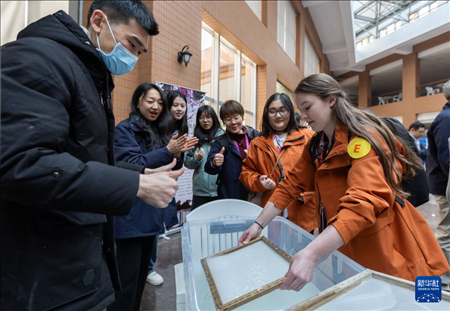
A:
<point x="252" y="295"/>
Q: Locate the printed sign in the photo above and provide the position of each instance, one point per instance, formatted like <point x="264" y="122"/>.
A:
<point x="195" y="99"/>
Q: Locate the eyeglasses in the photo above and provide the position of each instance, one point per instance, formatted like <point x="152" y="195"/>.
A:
<point x="283" y="112"/>
<point x="235" y="119"/>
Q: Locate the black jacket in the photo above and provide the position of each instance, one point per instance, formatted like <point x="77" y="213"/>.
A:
<point x="438" y="155"/>
<point x="57" y="180"/>
<point x="416" y="185"/>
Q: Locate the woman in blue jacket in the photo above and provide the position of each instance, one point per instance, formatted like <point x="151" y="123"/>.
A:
<point x="177" y="105"/>
<point x="144" y="138"/>
<point x="207" y="129"/>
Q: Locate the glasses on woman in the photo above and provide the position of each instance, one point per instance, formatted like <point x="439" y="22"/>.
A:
<point x="236" y="119"/>
<point x="283" y="112"/>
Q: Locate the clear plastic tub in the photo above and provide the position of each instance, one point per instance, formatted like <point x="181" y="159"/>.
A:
<point x="204" y="238"/>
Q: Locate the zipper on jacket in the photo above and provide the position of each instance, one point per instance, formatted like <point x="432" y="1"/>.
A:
<point x="323" y="220"/>
<point x="321" y="211"/>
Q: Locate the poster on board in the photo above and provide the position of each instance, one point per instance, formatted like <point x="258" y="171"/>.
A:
<point x="195" y="99"/>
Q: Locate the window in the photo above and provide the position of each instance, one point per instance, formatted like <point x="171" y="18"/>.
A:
<point x="282" y="89"/>
<point x="255" y="6"/>
<point x="390" y="28"/>
<point x="311" y="59"/>
<point x="226" y="73"/>
<point x="227" y="79"/>
<point x="424" y="11"/>
<point x="286" y="28"/>
<point x="16" y="15"/>
<point x="248" y="89"/>
<point x="433" y="6"/>
<point x="206" y="61"/>
<point x="428" y="8"/>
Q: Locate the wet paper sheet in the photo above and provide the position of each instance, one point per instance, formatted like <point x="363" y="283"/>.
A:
<point x="244" y="273"/>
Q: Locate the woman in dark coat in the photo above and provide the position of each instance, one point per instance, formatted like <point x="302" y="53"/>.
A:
<point x="145" y="139"/>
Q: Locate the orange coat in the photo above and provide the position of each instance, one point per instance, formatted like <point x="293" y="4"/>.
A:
<point x="378" y="232"/>
<point x="261" y="159"/>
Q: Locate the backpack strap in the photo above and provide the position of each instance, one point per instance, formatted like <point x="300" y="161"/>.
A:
<point x="224" y="142"/>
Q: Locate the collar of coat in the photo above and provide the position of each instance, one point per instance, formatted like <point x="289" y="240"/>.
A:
<point x="338" y="151"/>
<point x="295" y="138"/>
<point x="251" y="133"/>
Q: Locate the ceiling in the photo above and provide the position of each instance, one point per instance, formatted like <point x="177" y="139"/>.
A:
<point x="435" y="66"/>
<point x="333" y="21"/>
<point x="387" y="80"/>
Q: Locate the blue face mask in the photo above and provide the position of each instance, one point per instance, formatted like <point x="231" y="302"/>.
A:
<point x="120" y="60"/>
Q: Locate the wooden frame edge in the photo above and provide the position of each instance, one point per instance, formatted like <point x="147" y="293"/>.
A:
<point x="254" y="294"/>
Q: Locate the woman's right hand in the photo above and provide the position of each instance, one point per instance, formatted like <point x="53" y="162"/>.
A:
<point x="266" y="182"/>
<point x="177" y="144"/>
<point x="173" y="145"/>
<point x="199" y="153"/>
<point x="252" y="233"/>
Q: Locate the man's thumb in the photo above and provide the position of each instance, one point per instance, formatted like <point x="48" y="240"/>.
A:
<point x="222" y="150"/>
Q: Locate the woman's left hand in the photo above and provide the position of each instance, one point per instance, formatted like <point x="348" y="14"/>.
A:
<point x="301" y="271"/>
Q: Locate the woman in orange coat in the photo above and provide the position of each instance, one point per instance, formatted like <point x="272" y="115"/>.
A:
<point x="355" y="166"/>
<point x="274" y="153"/>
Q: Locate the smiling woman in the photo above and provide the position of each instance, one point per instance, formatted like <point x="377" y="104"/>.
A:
<point x="144" y="138"/>
<point x="274" y="153"/>
<point x="355" y="166"/>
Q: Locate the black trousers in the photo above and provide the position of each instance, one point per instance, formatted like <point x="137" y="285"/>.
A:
<point x="133" y="256"/>
<point x="197" y="201"/>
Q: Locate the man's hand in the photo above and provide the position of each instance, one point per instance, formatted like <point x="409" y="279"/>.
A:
<point x="164" y="168"/>
<point x="158" y="189"/>
<point x="219" y="158"/>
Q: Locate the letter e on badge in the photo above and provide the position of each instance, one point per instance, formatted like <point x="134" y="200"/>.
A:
<point x="358" y="148"/>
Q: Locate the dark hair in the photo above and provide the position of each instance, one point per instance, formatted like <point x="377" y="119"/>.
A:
<point x="416" y="125"/>
<point x="229" y="108"/>
<point x="202" y="135"/>
<point x="120" y="12"/>
<point x="159" y="130"/>
<point x="180" y="125"/>
<point x="358" y="123"/>
<point x="298" y="118"/>
<point x="286" y="101"/>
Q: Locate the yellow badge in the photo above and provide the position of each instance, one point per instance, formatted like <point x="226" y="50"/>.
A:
<point x="358" y="148"/>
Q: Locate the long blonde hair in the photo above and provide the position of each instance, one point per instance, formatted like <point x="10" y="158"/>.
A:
<point x="358" y="122"/>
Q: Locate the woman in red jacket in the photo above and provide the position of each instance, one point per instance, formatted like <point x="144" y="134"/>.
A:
<point x="355" y="166"/>
<point x="275" y="152"/>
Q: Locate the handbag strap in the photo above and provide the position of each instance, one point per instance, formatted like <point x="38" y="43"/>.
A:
<point x="276" y="163"/>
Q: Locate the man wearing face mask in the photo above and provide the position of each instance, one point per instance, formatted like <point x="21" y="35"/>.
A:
<point x="60" y="187"/>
